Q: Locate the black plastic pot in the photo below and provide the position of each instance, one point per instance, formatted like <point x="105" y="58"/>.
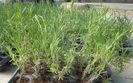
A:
<point x="4" y="61"/>
<point x="15" y="76"/>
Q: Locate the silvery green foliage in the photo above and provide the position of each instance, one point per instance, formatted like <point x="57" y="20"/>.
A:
<point x="63" y="38"/>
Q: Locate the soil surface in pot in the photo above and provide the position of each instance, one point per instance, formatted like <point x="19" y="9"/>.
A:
<point x="40" y="74"/>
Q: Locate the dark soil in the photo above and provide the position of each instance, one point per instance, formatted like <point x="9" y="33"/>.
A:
<point x="42" y="75"/>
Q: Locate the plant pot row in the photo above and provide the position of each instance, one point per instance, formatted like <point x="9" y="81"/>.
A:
<point x="50" y="78"/>
<point x="28" y="78"/>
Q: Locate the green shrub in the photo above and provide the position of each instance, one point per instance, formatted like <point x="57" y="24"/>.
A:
<point x="49" y="34"/>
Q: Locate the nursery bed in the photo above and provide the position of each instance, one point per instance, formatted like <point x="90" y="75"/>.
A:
<point x="125" y="77"/>
<point x="41" y="67"/>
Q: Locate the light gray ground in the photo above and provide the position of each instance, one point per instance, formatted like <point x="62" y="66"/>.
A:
<point x="6" y="75"/>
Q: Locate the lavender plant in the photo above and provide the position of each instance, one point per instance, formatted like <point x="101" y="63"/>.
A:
<point x="63" y="40"/>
